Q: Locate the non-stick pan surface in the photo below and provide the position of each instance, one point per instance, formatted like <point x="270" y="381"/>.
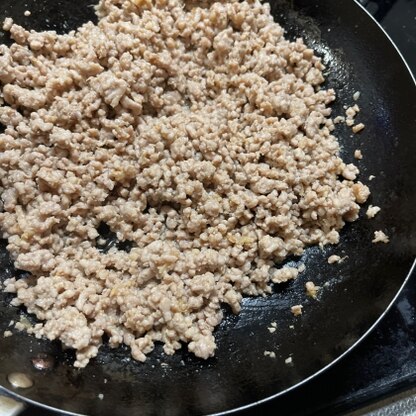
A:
<point x="355" y="293"/>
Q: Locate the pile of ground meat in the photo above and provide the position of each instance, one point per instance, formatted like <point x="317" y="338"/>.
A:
<point x="194" y="131"/>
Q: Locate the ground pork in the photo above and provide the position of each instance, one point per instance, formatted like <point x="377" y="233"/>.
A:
<point x="198" y="135"/>
<point x="372" y="211"/>
<point x="380" y="237"/>
<point x="335" y="259"/>
<point x="270" y="354"/>
<point x="311" y="289"/>
<point x="358" y="154"/>
<point x="296" y="310"/>
<point x="358" y="127"/>
<point x="349" y="119"/>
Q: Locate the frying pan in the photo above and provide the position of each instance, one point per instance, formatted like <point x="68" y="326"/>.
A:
<point x="355" y="293"/>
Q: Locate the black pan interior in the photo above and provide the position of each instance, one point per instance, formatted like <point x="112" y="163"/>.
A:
<point x="359" y="57"/>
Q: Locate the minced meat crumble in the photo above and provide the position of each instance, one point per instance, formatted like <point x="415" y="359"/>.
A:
<point x="198" y="134"/>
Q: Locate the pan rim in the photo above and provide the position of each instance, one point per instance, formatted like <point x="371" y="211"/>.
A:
<point x="28" y="401"/>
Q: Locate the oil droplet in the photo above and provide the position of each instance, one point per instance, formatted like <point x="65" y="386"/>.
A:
<point x="43" y="362"/>
<point x="20" y="380"/>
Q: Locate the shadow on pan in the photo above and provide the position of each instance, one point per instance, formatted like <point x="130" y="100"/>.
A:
<point x="359" y="57"/>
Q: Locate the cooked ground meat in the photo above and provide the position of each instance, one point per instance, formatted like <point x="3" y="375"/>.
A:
<point x="349" y="120"/>
<point x="311" y="289"/>
<point x="196" y="133"/>
<point x="296" y="310"/>
<point x="289" y="360"/>
<point x="272" y="328"/>
<point x="380" y="237"/>
<point x="335" y="259"/>
<point x="358" y="154"/>
<point x="358" y="127"/>
<point x="372" y="211"/>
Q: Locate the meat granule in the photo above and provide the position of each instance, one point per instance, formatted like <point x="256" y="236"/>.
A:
<point x="335" y="259"/>
<point x="198" y="135"/>
<point x="358" y="127"/>
<point x="380" y="237"/>
<point x="272" y="328"/>
<point x="311" y="289"/>
<point x="339" y="119"/>
<point x="372" y="211"/>
<point x="358" y="154"/>
<point x="296" y="310"/>
<point x="284" y="274"/>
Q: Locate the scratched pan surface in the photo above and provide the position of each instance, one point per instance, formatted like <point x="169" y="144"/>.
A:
<point x="359" y="58"/>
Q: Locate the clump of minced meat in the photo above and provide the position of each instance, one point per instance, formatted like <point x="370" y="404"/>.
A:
<point x="196" y="132"/>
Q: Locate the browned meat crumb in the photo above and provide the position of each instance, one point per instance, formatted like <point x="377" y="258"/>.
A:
<point x="350" y="172"/>
<point x="380" y="237"/>
<point x="339" y="119"/>
<point x="284" y="274"/>
<point x="361" y="192"/>
<point x="358" y="154"/>
<point x="199" y="136"/>
<point x="372" y="211"/>
<point x="311" y="289"/>
<point x="335" y="259"/>
<point x="20" y="327"/>
<point x="351" y="112"/>
<point x="296" y="310"/>
<point x="272" y="328"/>
<point x="8" y="23"/>
<point x="358" y="127"/>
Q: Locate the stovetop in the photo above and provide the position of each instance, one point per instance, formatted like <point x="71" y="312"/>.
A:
<point x="384" y="364"/>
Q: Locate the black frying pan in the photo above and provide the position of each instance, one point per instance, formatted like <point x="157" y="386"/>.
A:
<point x="359" y="57"/>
